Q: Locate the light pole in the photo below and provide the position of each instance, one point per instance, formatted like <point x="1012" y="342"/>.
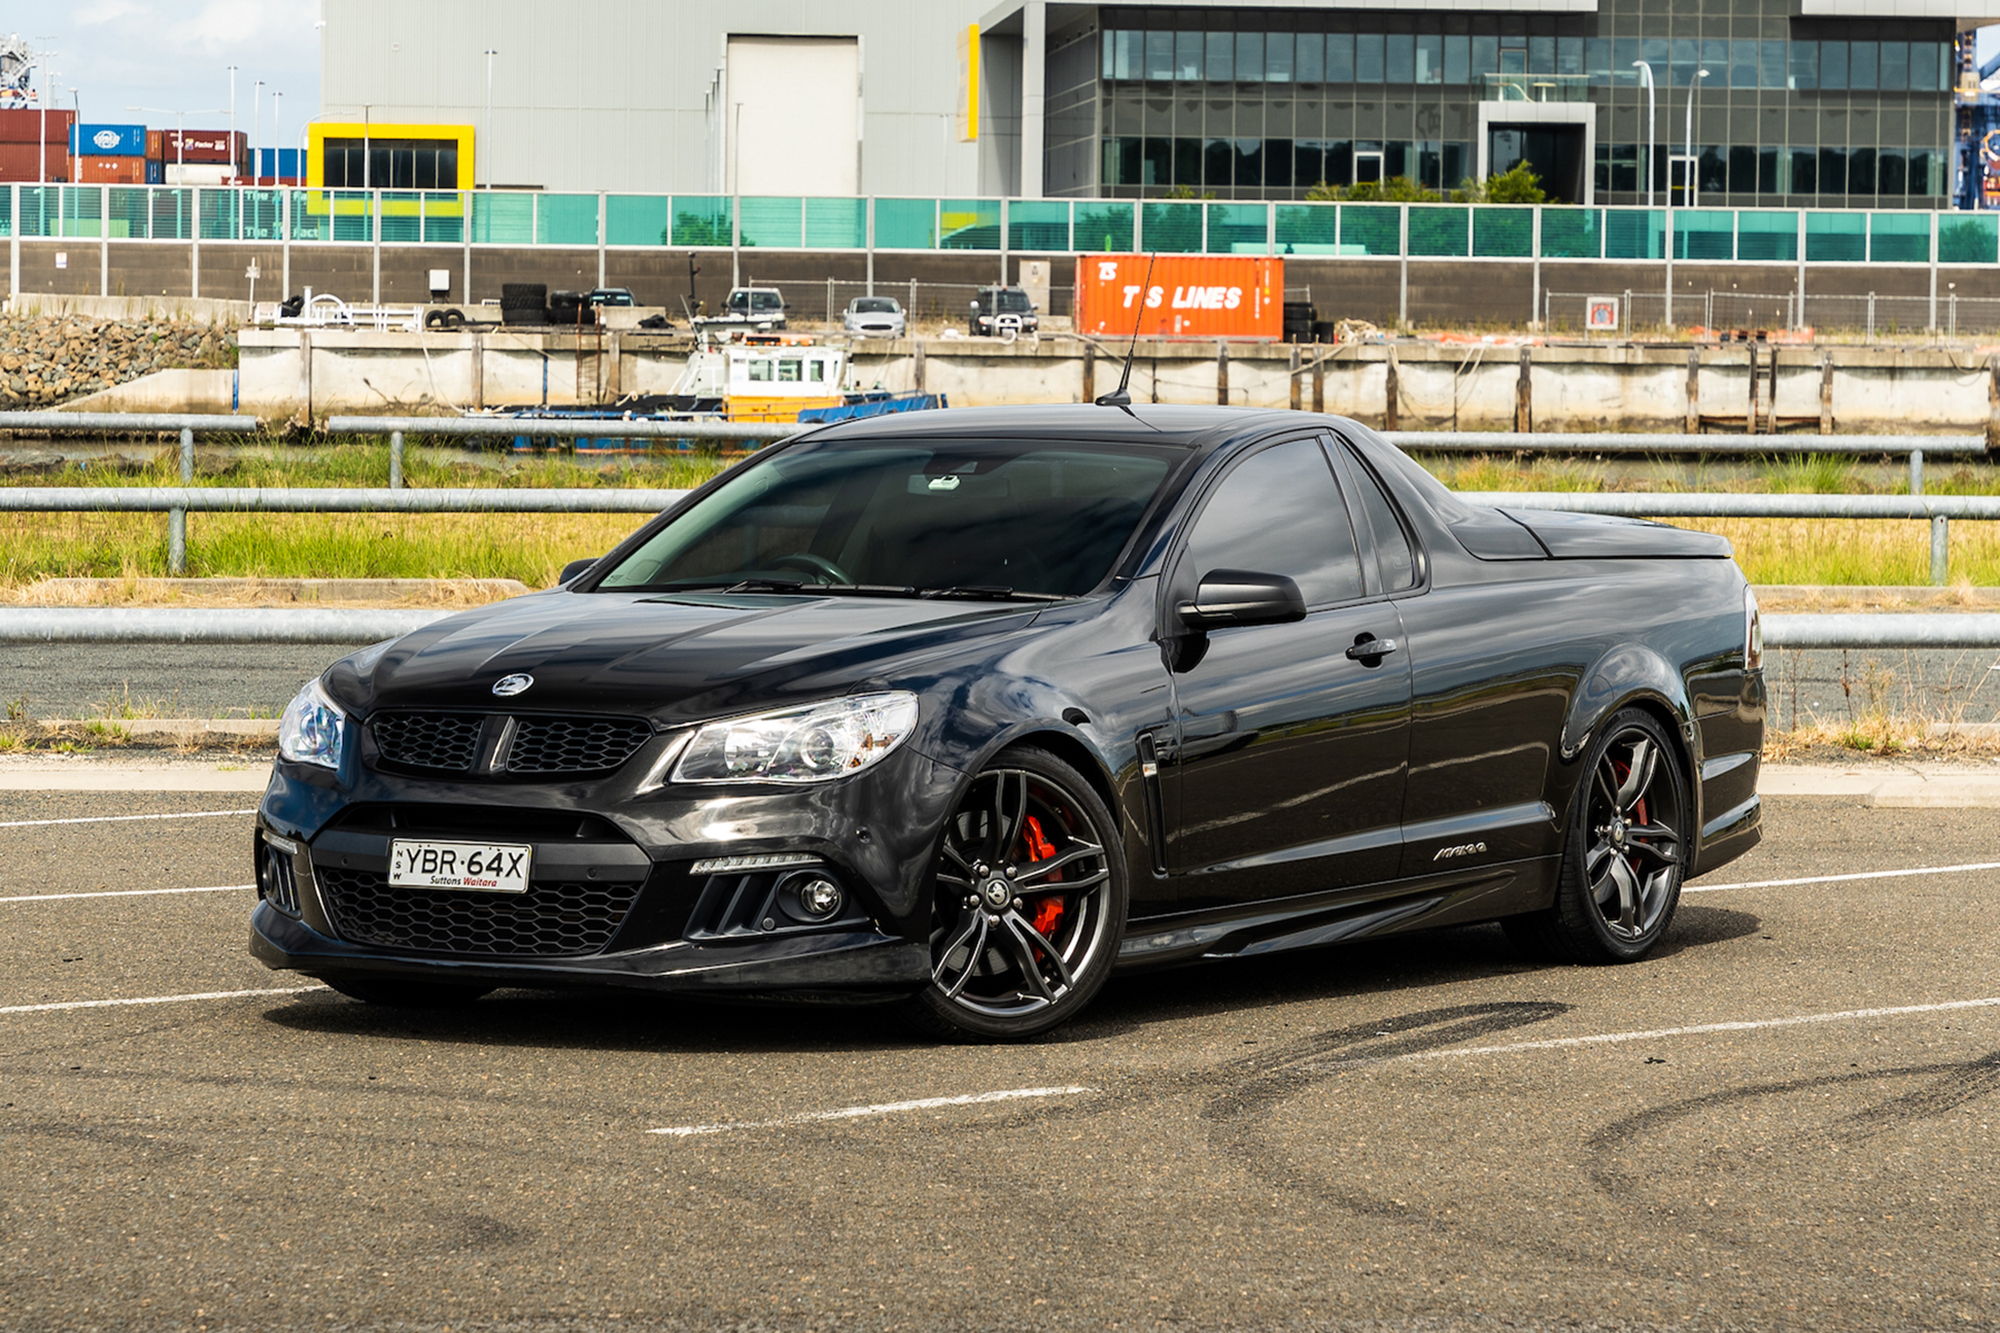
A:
<point x="1651" y="125"/>
<point x="256" y="119"/>
<point x="44" y="73"/>
<point x="232" y="110"/>
<point x="1693" y="178"/>
<point x="479" y="150"/>
<point x="367" y="151"/>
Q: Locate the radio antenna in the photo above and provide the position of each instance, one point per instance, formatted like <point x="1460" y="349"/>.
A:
<point x="1118" y="397"/>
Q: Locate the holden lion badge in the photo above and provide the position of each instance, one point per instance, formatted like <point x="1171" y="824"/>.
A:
<point x="513" y="684"/>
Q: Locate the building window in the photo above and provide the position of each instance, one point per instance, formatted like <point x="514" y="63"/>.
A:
<point x="390" y="164"/>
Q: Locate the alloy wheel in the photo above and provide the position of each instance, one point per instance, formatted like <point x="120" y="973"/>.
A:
<point x="1634" y="849"/>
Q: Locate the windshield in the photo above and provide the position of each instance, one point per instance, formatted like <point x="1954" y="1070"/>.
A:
<point x="873" y="305"/>
<point x="987" y="516"/>
<point x="1012" y="301"/>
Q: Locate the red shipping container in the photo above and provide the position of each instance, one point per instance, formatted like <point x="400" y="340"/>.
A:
<point x="209" y="146"/>
<point x="111" y="170"/>
<point x="25" y="126"/>
<point x="21" y="161"/>
<point x="1188" y="296"/>
<point x="154" y="140"/>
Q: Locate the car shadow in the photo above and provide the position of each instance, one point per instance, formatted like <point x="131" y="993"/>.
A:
<point x="616" y="1021"/>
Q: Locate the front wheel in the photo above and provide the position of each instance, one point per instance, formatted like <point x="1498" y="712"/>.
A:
<point x="1624" y="853"/>
<point x="1028" y="905"/>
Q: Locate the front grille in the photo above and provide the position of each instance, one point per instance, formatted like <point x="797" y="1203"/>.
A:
<point x="527" y="745"/>
<point x="448" y="742"/>
<point x="551" y="920"/>
<point x="574" y="744"/>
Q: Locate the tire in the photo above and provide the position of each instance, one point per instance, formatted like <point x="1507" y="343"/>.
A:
<point x="454" y="319"/>
<point x="524" y="295"/>
<point x="1009" y="969"/>
<point x="1624" y="853"/>
<point x="434" y="319"/>
<point x="524" y="316"/>
<point x="400" y="994"/>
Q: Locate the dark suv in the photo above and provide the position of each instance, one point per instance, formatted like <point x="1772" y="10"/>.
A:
<point x="1000" y="308"/>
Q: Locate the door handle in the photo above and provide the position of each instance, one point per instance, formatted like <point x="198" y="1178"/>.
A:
<point x="1371" y="647"/>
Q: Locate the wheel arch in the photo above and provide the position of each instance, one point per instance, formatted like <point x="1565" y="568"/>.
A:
<point x="1068" y="745"/>
<point x="1632" y="675"/>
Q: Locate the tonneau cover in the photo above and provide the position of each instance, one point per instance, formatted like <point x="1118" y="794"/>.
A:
<point x="1571" y="536"/>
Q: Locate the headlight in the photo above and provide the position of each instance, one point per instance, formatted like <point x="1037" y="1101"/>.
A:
<point x="810" y="744"/>
<point x="311" y="730"/>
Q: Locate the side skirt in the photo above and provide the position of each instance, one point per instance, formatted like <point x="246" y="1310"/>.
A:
<point x="1310" y="920"/>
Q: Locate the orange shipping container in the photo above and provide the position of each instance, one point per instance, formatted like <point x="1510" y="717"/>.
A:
<point x="111" y="170"/>
<point x="1187" y="296"/>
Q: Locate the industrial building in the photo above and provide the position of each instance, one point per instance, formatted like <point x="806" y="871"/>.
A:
<point x="1794" y="103"/>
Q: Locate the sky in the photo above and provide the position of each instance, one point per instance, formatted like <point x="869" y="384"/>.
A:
<point x="176" y="54"/>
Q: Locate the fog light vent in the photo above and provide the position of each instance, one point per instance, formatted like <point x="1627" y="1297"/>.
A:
<point x="276" y="882"/>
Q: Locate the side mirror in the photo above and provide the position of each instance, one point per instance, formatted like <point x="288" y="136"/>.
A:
<point x="574" y="568"/>
<point x="1238" y="597"/>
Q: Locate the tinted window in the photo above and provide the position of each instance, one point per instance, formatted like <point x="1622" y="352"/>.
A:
<point x="1279" y="512"/>
<point x="1394" y="557"/>
<point x="1041" y="517"/>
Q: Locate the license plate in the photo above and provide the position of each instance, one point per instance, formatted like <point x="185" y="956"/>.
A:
<point x="474" y="867"/>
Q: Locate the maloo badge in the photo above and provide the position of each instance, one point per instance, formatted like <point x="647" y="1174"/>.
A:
<point x="513" y="684"/>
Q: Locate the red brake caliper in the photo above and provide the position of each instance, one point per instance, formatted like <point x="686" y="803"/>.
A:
<point x="1049" y="910"/>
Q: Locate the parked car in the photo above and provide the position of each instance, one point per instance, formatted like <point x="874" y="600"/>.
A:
<point x="999" y="308"/>
<point x="960" y="710"/>
<point x="619" y="296"/>
<point x="758" y="308"/>
<point x="874" y="317"/>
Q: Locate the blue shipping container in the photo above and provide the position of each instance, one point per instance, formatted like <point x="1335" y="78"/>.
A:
<point x="287" y="163"/>
<point x="108" y="141"/>
<point x="156" y="173"/>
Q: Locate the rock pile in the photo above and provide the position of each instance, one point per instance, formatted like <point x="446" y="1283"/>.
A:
<point x="45" y="361"/>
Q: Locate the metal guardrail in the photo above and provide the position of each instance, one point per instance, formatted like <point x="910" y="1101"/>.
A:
<point x="1620" y="442"/>
<point x="333" y="500"/>
<point x="567" y="427"/>
<point x="31" y="625"/>
<point x="200" y="423"/>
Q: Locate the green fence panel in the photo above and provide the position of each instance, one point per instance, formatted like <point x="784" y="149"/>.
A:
<point x="771" y="222"/>
<point x="636" y="219"/>
<point x="1308" y="229"/>
<point x="1899" y="238"/>
<point x="1704" y="233"/>
<point x="1770" y="236"/>
<point x="1038" y="224"/>
<point x="78" y="210"/>
<point x="261" y="220"/>
<point x="566" y="219"/>
<point x="1572" y="233"/>
<point x="311" y="214"/>
<point x="41" y="210"/>
<point x="836" y="224"/>
<point x="1440" y="233"/>
<point x="1239" y="229"/>
<point x="6" y="211"/>
<point x="1371" y="229"/>
<point x="130" y="212"/>
<point x="906" y="224"/>
<point x="969" y="224"/>
<point x="1171" y="229"/>
<point x="444" y="217"/>
<point x="1102" y="226"/>
<point x="1836" y="237"/>
<point x="1634" y="233"/>
<point x="703" y="220"/>
<point x="1502" y="233"/>
<point x="1969" y="240"/>
<point x="354" y="215"/>
<point x="402" y="217"/>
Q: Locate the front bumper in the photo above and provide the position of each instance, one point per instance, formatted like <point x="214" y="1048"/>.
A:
<point x="614" y="900"/>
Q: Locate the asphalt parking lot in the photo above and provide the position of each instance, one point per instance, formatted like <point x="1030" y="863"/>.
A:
<point x="1784" y="1119"/>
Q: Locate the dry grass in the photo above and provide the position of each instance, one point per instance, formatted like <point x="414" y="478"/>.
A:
<point x="447" y="594"/>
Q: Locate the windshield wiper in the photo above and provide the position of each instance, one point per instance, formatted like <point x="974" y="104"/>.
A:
<point x="795" y="586"/>
<point x="991" y="592"/>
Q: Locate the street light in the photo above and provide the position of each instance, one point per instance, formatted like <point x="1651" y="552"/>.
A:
<point x="180" y="135"/>
<point x="1693" y="177"/>
<point x="1651" y="125"/>
<point x="256" y="118"/>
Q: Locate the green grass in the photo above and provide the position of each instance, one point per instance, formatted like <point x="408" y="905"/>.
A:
<point x="530" y="547"/>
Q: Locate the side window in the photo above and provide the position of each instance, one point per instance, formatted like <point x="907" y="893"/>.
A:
<point x="1280" y="512"/>
<point x="1394" y="556"/>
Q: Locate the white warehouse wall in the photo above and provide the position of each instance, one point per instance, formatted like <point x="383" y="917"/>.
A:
<point x="626" y="95"/>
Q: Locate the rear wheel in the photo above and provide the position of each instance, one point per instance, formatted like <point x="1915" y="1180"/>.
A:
<point x="1624" y="853"/>
<point x="1028" y="905"/>
<point x="400" y="994"/>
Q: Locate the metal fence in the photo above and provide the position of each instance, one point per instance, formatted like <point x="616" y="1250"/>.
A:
<point x="1869" y="314"/>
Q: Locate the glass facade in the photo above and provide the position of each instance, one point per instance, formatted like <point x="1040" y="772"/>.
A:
<point x="1266" y="104"/>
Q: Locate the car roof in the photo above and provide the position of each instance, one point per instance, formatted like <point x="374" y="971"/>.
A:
<point x="1192" y="428"/>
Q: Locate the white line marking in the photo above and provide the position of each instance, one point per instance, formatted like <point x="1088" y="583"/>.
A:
<point x="877" y="1108"/>
<point x="117" y="893"/>
<point x="1835" y="879"/>
<point x="120" y="819"/>
<point x="1695" y="1030"/>
<point x="157" y="999"/>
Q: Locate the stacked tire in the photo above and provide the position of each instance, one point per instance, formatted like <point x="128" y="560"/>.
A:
<point x="1299" y="321"/>
<point x="570" y="309"/>
<point x="524" y="303"/>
